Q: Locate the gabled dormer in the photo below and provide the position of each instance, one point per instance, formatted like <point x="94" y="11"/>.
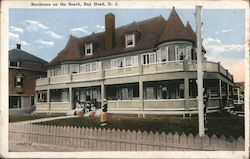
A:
<point x="130" y="40"/>
<point x="88" y="49"/>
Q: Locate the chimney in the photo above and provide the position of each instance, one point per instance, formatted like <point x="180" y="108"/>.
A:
<point x="18" y="46"/>
<point x="109" y="31"/>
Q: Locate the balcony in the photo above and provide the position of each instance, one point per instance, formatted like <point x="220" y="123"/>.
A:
<point x="121" y="72"/>
<point x="87" y="76"/>
<point x="170" y="66"/>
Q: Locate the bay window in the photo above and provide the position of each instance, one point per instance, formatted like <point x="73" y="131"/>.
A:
<point x="183" y="52"/>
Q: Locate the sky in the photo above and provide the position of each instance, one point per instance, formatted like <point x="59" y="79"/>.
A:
<point x="45" y="32"/>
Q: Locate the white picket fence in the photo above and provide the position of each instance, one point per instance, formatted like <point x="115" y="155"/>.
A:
<point x="29" y="137"/>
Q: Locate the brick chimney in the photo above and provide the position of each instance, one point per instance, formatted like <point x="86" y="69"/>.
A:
<point x="109" y="31"/>
<point x="18" y="46"/>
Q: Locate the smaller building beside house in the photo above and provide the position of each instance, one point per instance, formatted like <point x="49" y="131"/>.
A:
<point x="24" y="69"/>
<point x="238" y="96"/>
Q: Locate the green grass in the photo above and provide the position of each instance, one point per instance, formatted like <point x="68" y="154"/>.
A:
<point x="226" y="125"/>
<point x="24" y="117"/>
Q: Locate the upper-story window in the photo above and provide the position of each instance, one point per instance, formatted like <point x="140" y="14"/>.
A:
<point x="19" y="81"/>
<point x="129" y="61"/>
<point x="130" y="40"/>
<point x="65" y="69"/>
<point x="15" y="64"/>
<point x="149" y="58"/>
<point x="89" y="49"/>
<point x="74" y="68"/>
<point x="183" y="52"/>
<point x="90" y="67"/>
<point x="162" y="54"/>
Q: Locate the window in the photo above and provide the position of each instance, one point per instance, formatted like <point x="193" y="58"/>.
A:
<point x="183" y="52"/>
<point x="19" y="82"/>
<point x="148" y="58"/>
<point x="15" y="64"/>
<point x="74" y="68"/>
<point x="42" y="96"/>
<point x="162" y="54"/>
<point x="57" y="71"/>
<point x="64" y="96"/>
<point x="117" y="63"/>
<point x="65" y="69"/>
<point x="51" y="73"/>
<point x="88" y="49"/>
<point x="90" y="67"/>
<point x="124" y="62"/>
<point x="150" y="94"/>
<point x="130" y="40"/>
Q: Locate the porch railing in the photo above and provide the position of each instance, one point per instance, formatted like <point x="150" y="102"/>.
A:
<point x="169" y="66"/>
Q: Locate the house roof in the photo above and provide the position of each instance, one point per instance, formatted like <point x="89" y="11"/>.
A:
<point x="149" y="34"/>
<point x="20" y="55"/>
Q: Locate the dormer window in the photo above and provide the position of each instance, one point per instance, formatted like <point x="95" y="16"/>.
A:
<point x="88" y="49"/>
<point x="130" y="40"/>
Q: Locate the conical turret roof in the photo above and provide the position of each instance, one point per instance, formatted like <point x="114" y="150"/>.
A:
<point x="175" y="29"/>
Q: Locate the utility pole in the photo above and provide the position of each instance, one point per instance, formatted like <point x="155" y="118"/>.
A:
<point x="199" y="71"/>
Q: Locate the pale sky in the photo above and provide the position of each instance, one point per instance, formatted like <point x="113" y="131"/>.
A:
<point x="45" y="32"/>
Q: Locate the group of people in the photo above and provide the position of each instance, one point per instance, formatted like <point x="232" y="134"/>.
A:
<point x="90" y="110"/>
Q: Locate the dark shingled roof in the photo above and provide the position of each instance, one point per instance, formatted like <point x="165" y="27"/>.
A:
<point x="148" y="34"/>
<point x="175" y="29"/>
<point x="20" y="55"/>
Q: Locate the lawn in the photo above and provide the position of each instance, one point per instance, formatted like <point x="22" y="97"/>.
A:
<point x="218" y="124"/>
<point x="24" y="117"/>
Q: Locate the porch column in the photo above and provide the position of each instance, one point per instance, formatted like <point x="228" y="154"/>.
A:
<point x="227" y="95"/>
<point x="220" y="97"/>
<point x="48" y="99"/>
<point x="70" y="98"/>
<point x="186" y="93"/>
<point x="141" y="97"/>
<point x="102" y="93"/>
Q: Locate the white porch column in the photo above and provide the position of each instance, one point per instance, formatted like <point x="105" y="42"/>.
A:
<point x="70" y="98"/>
<point x="220" y="96"/>
<point x="186" y="92"/>
<point x="141" y="96"/>
<point x="102" y="93"/>
<point x="48" y="99"/>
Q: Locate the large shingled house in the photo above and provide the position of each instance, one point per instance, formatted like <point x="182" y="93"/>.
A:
<point x="146" y="67"/>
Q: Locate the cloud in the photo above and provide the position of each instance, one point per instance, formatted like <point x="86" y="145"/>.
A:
<point x="54" y="35"/>
<point x="225" y="31"/>
<point x="45" y="43"/>
<point x="100" y="28"/>
<point x="215" y="45"/>
<point x="16" y="39"/>
<point x="83" y="29"/>
<point x="16" y="29"/>
<point x="33" y="25"/>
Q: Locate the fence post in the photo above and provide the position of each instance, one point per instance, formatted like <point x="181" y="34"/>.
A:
<point x="170" y="141"/>
<point x="156" y="141"/>
<point x="240" y="144"/>
<point x="213" y="143"/>
<point x="150" y="141"/>
<point x="144" y="141"/>
<point x="139" y="140"/>
<point x="113" y="137"/>
<point x="197" y="141"/>
<point x="183" y="141"/>
<point x="163" y="141"/>
<point x="222" y="143"/>
<point x="190" y="141"/>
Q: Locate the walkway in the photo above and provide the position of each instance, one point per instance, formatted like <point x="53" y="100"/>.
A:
<point x="43" y="120"/>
